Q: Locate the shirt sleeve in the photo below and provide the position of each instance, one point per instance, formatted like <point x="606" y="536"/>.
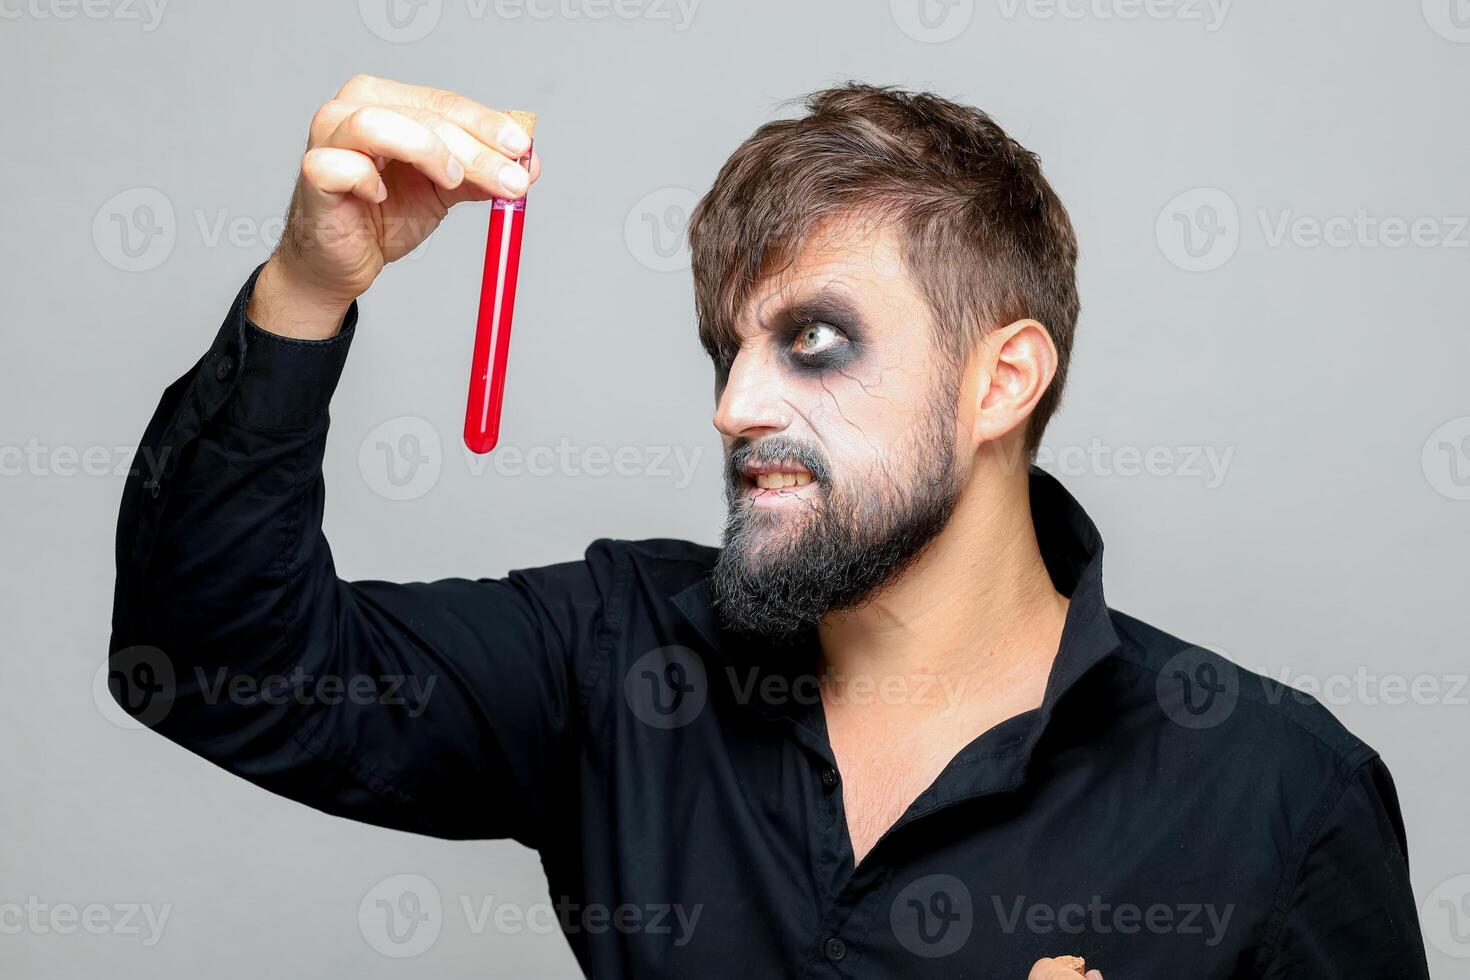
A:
<point x="1351" y="911"/>
<point x="446" y="708"/>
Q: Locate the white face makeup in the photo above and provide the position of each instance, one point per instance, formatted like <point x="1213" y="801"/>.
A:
<point x="839" y="439"/>
<point x="836" y="355"/>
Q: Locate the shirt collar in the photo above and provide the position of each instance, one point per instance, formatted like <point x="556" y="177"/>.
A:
<point x="1072" y="549"/>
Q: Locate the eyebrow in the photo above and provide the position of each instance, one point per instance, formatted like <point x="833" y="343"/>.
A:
<point x="830" y="303"/>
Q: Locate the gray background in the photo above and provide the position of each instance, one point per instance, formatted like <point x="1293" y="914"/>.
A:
<point x="1330" y="549"/>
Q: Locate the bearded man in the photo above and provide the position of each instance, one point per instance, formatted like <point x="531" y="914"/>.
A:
<point x="891" y="728"/>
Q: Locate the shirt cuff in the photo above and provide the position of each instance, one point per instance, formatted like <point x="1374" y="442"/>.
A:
<point x="267" y="381"/>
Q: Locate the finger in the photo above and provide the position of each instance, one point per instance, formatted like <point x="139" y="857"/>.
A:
<point x="489" y="126"/>
<point x="488" y="172"/>
<point x="331" y="114"/>
<point x="379" y="131"/>
<point x="1050" y="969"/>
<point x="327" y="118"/>
<point x="492" y="173"/>
<point x="1094" y="975"/>
<point x="330" y="171"/>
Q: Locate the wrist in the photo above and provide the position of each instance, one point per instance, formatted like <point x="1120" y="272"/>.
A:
<point x="289" y="305"/>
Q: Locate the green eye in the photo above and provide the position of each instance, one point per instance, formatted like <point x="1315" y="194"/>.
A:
<point x="815" y="338"/>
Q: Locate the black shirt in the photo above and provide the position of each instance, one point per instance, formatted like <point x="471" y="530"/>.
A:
<point x="1164" y="813"/>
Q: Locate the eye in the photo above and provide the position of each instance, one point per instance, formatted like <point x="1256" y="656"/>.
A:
<point x="817" y="339"/>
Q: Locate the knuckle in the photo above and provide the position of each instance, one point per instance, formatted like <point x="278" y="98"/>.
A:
<point x="426" y="126"/>
<point x="358" y="83"/>
<point x="325" y="118"/>
<point x="441" y="102"/>
<point x="486" y="163"/>
<point x="313" y="165"/>
<point x="430" y="142"/>
<point x="366" y="118"/>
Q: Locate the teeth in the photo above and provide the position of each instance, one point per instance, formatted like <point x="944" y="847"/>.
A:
<point x="776" y="481"/>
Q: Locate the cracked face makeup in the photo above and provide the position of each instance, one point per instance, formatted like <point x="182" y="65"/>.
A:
<point x="839" y="429"/>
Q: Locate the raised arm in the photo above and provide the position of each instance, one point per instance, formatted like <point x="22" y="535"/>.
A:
<point x="446" y="707"/>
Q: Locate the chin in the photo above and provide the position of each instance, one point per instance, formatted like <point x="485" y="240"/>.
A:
<point x="768" y="536"/>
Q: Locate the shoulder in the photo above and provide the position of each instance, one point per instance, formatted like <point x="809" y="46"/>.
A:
<point x="610" y="567"/>
<point x="663" y="565"/>
<point x="1205" y="695"/>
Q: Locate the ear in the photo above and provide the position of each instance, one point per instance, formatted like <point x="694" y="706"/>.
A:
<point x="1015" y="365"/>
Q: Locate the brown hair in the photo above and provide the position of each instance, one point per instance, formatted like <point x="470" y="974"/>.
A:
<point x="985" y="236"/>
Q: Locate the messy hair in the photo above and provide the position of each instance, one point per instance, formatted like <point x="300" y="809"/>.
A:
<point x="984" y="235"/>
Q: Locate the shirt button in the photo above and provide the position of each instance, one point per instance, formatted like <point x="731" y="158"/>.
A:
<point x="224" y="368"/>
<point x="829" y="779"/>
<point x="835" y="949"/>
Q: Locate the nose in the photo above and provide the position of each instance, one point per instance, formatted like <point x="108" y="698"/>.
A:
<point x="750" y="403"/>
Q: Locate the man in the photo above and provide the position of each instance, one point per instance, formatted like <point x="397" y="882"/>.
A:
<point x="890" y="728"/>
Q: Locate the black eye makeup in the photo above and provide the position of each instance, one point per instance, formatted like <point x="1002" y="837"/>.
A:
<point x="820" y="336"/>
<point x="823" y="333"/>
<point x="818" y="344"/>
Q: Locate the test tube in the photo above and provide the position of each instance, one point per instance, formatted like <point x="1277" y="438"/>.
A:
<point x="497" y="303"/>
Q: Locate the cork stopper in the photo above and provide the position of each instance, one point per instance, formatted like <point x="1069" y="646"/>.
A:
<point x="526" y="120"/>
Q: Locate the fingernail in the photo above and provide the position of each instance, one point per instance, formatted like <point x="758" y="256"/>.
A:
<point x="514" y="139"/>
<point x="514" y="178"/>
<point x="456" y="171"/>
<point x="382" y="194"/>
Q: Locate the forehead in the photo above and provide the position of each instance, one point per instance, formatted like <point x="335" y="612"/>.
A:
<point x="857" y="258"/>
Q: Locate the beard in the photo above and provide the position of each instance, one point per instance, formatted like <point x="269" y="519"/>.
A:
<point x="781" y="569"/>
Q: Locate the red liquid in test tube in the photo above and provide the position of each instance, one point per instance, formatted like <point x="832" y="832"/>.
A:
<point x="497" y="303"/>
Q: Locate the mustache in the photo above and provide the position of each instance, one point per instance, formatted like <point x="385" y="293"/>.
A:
<point x="774" y="449"/>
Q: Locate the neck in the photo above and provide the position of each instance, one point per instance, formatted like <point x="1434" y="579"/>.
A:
<point x="978" y="604"/>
